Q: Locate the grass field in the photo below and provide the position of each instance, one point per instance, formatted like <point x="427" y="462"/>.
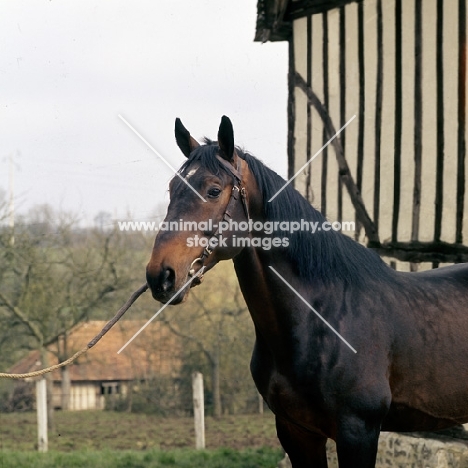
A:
<point x="108" y="439"/>
<point x="182" y="458"/>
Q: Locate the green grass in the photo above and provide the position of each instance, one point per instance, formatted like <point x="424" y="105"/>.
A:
<point x="108" y="439"/>
<point x="182" y="458"/>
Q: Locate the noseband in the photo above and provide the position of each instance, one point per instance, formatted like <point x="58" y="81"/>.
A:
<point x="237" y="190"/>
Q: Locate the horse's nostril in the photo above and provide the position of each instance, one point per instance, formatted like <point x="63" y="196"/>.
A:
<point x="162" y="281"/>
<point x="168" y="278"/>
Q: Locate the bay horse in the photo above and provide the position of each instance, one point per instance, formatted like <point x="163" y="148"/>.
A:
<point x="409" y="330"/>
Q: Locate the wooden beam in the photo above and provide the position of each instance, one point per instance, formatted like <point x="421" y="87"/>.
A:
<point x="461" y="137"/>
<point x="417" y="120"/>
<point x="362" y="107"/>
<point x="291" y="111"/>
<point x="439" y="189"/>
<point x="378" y="114"/>
<point x="342" y="72"/>
<point x="345" y="173"/>
<point x="435" y="252"/>
<point x="303" y="8"/>
<point x="417" y="133"/>
<point x="326" y="101"/>
<point x="308" y="190"/>
<point x="398" y="119"/>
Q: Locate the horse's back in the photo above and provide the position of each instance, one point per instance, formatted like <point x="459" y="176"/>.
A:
<point x="458" y="272"/>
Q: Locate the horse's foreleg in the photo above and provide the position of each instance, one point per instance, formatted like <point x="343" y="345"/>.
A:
<point x="357" y="443"/>
<point x="305" y="449"/>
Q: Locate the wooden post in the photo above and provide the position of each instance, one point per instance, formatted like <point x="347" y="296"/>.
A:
<point x="41" y="406"/>
<point x="198" y="410"/>
<point x="66" y="388"/>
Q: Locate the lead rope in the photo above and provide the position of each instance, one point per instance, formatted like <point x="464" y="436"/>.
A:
<point x="106" y="328"/>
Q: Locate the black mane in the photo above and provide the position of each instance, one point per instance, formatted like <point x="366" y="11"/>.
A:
<point x="325" y="255"/>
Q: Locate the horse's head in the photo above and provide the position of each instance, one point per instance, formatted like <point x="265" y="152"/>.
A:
<point x="208" y="192"/>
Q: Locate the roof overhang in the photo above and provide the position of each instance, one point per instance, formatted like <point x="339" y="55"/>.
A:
<point x="271" y="23"/>
<point x="274" y="17"/>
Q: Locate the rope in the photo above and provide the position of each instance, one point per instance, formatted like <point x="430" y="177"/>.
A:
<point x="105" y="329"/>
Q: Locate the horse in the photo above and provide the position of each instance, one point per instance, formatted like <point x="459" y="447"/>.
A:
<point x="346" y="347"/>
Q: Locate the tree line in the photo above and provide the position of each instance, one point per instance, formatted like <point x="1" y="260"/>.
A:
<point x="55" y="274"/>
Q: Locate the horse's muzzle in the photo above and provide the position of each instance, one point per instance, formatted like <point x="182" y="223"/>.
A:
<point x="161" y="283"/>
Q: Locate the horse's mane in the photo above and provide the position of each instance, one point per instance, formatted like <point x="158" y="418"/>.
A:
<point x="324" y="255"/>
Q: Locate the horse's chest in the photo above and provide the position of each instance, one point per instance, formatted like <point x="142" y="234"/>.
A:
<point x="295" y="403"/>
<point x="281" y="396"/>
<point x="287" y="395"/>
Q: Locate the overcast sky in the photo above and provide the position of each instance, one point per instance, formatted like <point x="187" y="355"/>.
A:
<point x="68" y="69"/>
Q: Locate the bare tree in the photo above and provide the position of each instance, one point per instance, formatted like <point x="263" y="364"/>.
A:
<point x="54" y="277"/>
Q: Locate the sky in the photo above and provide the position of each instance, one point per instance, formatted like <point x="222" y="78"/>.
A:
<point x="68" y="70"/>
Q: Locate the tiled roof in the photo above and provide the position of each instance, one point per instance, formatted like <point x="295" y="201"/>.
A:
<point x="154" y="352"/>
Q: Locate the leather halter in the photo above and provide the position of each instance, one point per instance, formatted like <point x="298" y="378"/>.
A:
<point x="237" y="189"/>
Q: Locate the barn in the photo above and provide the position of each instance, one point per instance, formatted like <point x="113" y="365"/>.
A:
<point x="392" y="75"/>
<point x="101" y="375"/>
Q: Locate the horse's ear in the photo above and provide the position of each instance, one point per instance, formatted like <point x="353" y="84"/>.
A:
<point x="184" y="141"/>
<point x="226" y="139"/>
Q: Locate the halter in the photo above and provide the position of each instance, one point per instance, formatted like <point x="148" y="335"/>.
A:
<point x="237" y="189"/>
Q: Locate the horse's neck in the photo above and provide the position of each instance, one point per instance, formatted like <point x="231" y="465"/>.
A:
<point x="269" y="300"/>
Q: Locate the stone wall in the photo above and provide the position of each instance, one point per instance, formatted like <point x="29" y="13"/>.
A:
<point x="403" y="451"/>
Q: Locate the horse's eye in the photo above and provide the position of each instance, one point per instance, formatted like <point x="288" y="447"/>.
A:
<point x="214" y="192"/>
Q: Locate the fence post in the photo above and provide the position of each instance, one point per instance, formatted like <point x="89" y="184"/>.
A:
<point x="260" y="403"/>
<point x="41" y="407"/>
<point x="198" y="410"/>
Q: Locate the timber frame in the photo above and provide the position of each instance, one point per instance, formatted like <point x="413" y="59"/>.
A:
<point x="413" y="236"/>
